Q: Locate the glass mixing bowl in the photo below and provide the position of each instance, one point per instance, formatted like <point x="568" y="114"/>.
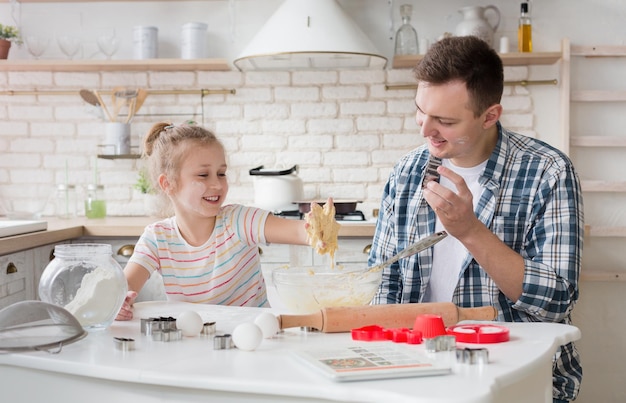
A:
<point x="308" y="289"/>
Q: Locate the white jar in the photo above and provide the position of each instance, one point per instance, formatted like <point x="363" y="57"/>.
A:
<point x="145" y="42"/>
<point x="193" y="40"/>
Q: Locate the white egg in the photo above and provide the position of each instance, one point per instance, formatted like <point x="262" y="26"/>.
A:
<point x="190" y="323"/>
<point x="247" y="336"/>
<point x="268" y="324"/>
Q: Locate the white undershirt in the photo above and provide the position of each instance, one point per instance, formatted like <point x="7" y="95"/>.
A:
<point x="449" y="253"/>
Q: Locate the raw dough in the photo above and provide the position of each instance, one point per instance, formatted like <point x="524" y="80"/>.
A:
<point x="323" y="229"/>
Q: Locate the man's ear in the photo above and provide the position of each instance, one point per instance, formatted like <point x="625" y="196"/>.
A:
<point x="492" y="115"/>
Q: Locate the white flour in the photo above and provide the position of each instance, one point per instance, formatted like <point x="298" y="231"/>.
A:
<point x="96" y="298"/>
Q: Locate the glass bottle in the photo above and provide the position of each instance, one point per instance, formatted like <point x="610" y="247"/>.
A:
<point x="65" y="202"/>
<point x="86" y="280"/>
<point x="406" y="37"/>
<point x="95" y="206"/>
<point x="524" y="31"/>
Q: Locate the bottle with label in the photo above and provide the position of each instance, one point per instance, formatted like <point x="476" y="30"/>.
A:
<point x="406" y="37"/>
<point x="95" y="206"/>
<point x="524" y="31"/>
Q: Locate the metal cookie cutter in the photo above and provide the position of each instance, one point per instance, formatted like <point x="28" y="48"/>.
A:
<point x="167" y="335"/>
<point x="223" y="342"/>
<point x="124" y="344"/>
<point x="440" y="343"/>
<point x="472" y="355"/>
<point x="149" y="325"/>
<point x="208" y="329"/>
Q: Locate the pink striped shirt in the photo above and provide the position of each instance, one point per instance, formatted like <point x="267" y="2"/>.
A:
<point x="226" y="270"/>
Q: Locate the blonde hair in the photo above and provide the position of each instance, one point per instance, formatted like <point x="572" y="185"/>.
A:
<point x="166" y="144"/>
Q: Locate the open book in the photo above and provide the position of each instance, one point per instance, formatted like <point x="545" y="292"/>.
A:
<point x="372" y="361"/>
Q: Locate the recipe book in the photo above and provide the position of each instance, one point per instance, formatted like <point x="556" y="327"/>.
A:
<point x="375" y="361"/>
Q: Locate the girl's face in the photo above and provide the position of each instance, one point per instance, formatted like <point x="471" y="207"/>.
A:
<point x="202" y="185"/>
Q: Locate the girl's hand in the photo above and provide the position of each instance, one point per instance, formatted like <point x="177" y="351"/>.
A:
<point x="126" y="311"/>
<point x="322" y="228"/>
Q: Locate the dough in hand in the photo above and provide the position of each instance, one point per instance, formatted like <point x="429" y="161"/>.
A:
<point x="323" y="229"/>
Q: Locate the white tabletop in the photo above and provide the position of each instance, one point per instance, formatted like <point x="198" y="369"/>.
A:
<point x="94" y="369"/>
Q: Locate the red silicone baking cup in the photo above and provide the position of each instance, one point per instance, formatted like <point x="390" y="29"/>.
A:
<point x="482" y="333"/>
<point x="430" y="326"/>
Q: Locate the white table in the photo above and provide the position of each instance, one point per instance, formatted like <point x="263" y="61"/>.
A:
<point x="93" y="370"/>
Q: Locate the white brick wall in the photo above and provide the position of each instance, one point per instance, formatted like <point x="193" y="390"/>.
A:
<point x="343" y="128"/>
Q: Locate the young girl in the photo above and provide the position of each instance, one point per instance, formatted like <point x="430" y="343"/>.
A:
<point x="207" y="252"/>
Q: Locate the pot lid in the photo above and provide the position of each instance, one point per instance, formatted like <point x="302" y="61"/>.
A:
<point x="305" y="34"/>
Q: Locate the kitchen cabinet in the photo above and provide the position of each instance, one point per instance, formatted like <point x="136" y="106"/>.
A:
<point x="20" y="274"/>
<point x="16" y="278"/>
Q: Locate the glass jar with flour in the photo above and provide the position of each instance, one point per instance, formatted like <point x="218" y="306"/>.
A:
<point x="86" y="281"/>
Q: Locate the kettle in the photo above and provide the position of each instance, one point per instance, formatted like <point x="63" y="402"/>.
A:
<point x="277" y="189"/>
<point x="475" y="22"/>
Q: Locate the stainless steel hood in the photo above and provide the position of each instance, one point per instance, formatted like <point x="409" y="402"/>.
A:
<point x="310" y="35"/>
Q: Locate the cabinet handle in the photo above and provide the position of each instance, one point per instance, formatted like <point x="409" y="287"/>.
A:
<point x="126" y="250"/>
<point x="367" y="249"/>
<point x="11" y="268"/>
<point x="260" y="251"/>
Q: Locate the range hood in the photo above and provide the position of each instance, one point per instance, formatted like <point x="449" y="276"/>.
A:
<point x="310" y="35"/>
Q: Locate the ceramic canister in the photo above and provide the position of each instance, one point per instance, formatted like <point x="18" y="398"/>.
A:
<point x="145" y="42"/>
<point x="193" y="40"/>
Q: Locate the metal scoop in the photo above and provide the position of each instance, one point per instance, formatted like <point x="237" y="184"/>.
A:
<point x="412" y="249"/>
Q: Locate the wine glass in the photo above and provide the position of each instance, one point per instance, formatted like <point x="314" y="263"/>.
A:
<point x="36" y="45"/>
<point x="70" y="45"/>
<point x="108" y="43"/>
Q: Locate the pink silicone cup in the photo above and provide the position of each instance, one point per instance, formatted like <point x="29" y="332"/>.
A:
<point x="430" y="325"/>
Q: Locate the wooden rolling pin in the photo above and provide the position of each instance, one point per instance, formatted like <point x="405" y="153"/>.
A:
<point x="344" y="319"/>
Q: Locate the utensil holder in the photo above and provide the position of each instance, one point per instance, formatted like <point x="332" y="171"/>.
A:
<point x="116" y="139"/>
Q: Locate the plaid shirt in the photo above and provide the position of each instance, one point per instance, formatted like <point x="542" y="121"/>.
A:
<point x="532" y="201"/>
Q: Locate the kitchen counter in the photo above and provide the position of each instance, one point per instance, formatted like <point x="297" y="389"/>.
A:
<point x="63" y="230"/>
<point x="190" y="370"/>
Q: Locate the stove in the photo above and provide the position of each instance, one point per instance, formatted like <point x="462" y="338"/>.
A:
<point x="296" y="214"/>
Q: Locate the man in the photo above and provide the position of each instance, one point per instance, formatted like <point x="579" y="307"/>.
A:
<point x="511" y="204"/>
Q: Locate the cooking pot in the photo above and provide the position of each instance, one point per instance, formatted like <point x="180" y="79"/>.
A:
<point x="276" y="189"/>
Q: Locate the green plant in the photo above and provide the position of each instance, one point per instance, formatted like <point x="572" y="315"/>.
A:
<point x="10" y="33"/>
<point x="143" y="183"/>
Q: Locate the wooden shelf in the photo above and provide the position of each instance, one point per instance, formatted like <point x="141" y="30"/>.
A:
<point x="607" y="232"/>
<point x="116" y="65"/>
<point x="603" y="186"/>
<point x="598" y="96"/>
<point x="597" y="141"/>
<point x="119" y="156"/>
<point x="599" y="51"/>
<point x="508" y="59"/>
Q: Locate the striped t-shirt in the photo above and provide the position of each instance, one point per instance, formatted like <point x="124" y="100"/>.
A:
<point x="226" y="270"/>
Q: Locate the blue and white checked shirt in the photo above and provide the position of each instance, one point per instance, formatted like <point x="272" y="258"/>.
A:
<point x="531" y="199"/>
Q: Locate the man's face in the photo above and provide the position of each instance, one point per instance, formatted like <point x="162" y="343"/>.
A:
<point x="449" y="126"/>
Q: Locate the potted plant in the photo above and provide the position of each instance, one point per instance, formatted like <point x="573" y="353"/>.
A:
<point x="143" y="184"/>
<point x="8" y="34"/>
<point x="155" y="203"/>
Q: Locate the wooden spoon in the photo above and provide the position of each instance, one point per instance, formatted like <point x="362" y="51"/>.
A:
<point x="103" y="105"/>
<point x="141" y="97"/>
<point x="118" y="102"/>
